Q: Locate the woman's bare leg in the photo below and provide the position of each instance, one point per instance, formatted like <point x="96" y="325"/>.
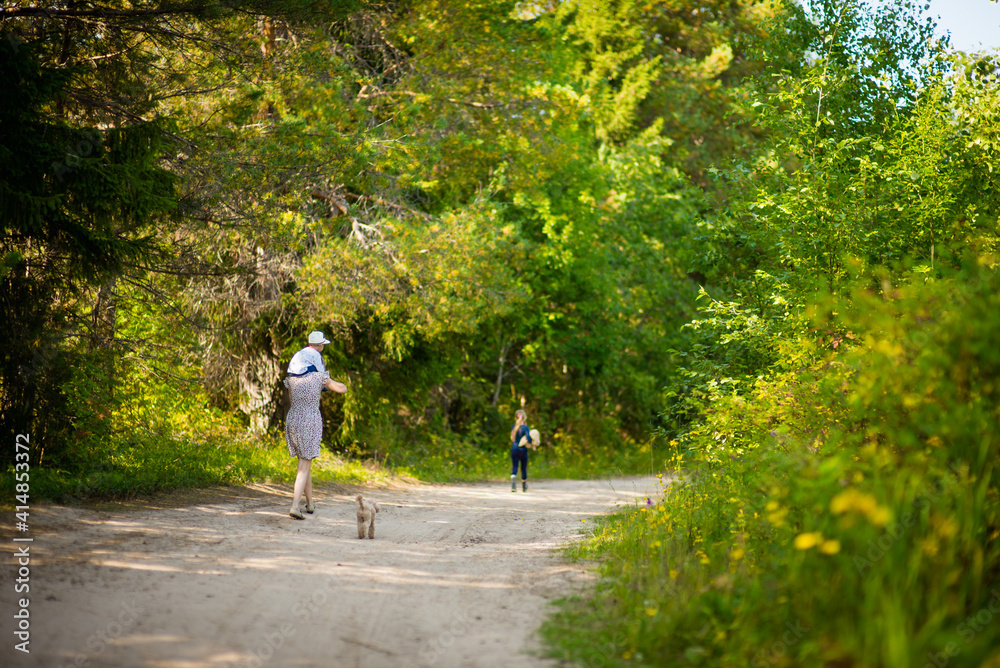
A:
<point x="303" y="480"/>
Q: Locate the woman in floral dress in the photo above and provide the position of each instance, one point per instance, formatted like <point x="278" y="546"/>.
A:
<point x="304" y="428"/>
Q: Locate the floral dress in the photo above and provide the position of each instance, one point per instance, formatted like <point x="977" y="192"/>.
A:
<point x="304" y="424"/>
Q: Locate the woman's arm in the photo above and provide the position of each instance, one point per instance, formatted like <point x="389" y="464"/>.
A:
<point x="335" y="386"/>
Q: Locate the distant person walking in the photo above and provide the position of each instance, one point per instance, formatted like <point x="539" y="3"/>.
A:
<point x="518" y="452"/>
<point x="307" y="378"/>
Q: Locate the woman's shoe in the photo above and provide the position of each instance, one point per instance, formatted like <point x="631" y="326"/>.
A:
<point x="296" y="513"/>
<point x="310" y="508"/>
<point x="513" y="483"/>
<point x="524" y="485"/>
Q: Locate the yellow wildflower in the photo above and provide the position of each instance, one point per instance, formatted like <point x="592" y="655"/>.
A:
<point x="879" y="516"/>
<point x="830" y="547"/>
<point x="805" y="541"/>
<point x="860" y="502"/>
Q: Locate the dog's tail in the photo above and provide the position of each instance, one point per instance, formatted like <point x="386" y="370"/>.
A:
<point x="361" y="502"/>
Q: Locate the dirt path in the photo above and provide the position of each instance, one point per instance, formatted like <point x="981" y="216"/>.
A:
<point x="458" y="575"/>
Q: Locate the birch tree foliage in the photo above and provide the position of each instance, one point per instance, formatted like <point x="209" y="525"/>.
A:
<point x="478" y="220"/>
<point x="678" y="65"/>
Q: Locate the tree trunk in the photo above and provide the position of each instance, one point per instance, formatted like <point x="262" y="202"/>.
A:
<point x="503" y="360"/>
<point x="260" y="390"/>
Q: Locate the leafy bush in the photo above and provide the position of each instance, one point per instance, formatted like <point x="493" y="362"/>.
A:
<point x="447" y="458"/>
<point x="851" y="518"/>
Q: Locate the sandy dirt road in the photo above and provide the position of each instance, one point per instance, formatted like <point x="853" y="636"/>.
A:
<point x="458" y="575"/>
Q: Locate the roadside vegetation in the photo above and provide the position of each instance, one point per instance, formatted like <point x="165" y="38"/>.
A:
<point x="837" y="415"/>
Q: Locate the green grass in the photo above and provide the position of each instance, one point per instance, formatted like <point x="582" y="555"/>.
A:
<point x="469" y="463"/>
<point x="129" y="470"/>
<point x="133" y="468"/>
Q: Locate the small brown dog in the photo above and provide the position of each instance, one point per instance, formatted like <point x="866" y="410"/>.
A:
<point x="366" y="516"/>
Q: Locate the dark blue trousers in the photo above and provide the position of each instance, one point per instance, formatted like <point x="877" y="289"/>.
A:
<point x="519" y="456"/>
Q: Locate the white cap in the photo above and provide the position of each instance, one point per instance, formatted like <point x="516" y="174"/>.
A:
<point x="316" y="338"/>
